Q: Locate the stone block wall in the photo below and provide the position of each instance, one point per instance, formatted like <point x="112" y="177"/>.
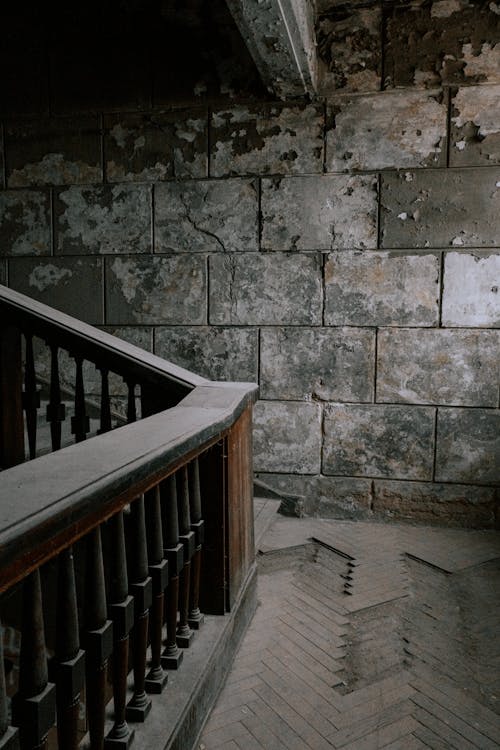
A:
<point x="342" y="253"/>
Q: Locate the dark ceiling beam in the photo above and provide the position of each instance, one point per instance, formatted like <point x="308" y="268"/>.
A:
<point x="280" y="37"/>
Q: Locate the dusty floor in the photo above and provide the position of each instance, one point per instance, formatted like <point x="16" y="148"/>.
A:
<point x="366" y="636"/>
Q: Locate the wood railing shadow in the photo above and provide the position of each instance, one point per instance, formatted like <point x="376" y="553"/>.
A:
<point x="113" y="549"/>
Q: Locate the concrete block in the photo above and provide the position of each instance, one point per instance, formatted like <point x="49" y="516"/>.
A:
<point x="319" y="213"/>
<point x="428" y="43"/>
<point x="471" y="293"/>
<point x="468" y="446"/>
<point x="324" y="497"/>
<point x="378" y="441"/>
<point x="442" y="208"/>
<point x="267" y="139"/>
<point x="449" y="367"/>
<point x="207" y="216"/>
<point x="53" y="152"/>
<point x="166" y="289"/>
<point x="475" y="126"/>
<point x="287" y="437"/>
<point x="317" y="363"/>
<point x="156" y="146"/>
<point x="72" y="285"/>
<point x="213" y="353"/>
<point x="391" y="129"/>
<point x="381" y="289"/>
<point x="25" y="222"/>
<point x="109" y="219"/>
<point x="265" y="289"/>
<point x="349" y="47"/>
<point x="435" y="504"/>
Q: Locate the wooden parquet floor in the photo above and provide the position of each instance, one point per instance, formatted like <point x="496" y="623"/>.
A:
<point x="367" y="636"/>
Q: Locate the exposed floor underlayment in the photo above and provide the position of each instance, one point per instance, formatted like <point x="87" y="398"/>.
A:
<point x="367" y="636"/>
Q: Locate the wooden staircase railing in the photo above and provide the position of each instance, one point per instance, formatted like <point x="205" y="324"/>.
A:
<point x="111" y="549"/>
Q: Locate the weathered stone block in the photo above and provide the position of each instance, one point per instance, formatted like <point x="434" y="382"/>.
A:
<point x="163" y="289"/>
<point x="471" y="293"/>
<point x="214" y="353"/>
<point x="475" y="126"/>
<point x="440" y="504"/>
<point x="324" y="497"/>
<point x="156" y="146"/>
<point x="317" y="363"/>
<point x="109" y="219"/>
<point x="442" y="208"/>
<point x="287" y="437"/>
<point x="378" y="441"/>
<point x="25" y="222"/>
<point x="319" y="213"/>
<point x="391" y="129"/>
<point x="265" y="289"/>
<point x="468" y="446"/>
<point x="381" y="289"/>
<point x="267" y="140"/>
<point x="53" y="152"/>
<point x="73" y="285"/>
<point x="441" y="42"/>
<point x="349" y="47"/>
<point x="455" y="368"/>
<point x="207" y="216"/>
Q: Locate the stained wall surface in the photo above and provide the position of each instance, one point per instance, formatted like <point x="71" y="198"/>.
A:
<point x="342" y="252"/>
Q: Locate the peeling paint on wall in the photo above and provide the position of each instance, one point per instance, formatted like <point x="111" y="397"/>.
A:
<point x="349" y="48"/>
<point x="53" y="152"/>
<point x="25" y="222"/>
<point x="430" y="44"/>
<point x="391" y="129"/>
<point x="156" y="147"/>
<point x="267" y="140"/>
<point x="43" y="277"/>
<point x="114" y="219"/>
<point x="475" y="126"/>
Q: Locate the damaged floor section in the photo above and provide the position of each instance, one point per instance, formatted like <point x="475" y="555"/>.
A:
<point x="366" y="637"/>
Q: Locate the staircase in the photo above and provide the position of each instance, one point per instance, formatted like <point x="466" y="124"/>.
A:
<point x="127" y="572"/>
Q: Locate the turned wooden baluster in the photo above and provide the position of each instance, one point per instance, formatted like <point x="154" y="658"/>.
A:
<point x="141" y="589"/>
<point x="187" y="537"/>
<point x="31" y="396"/>
<point x="9" y="736"/>
<point x="34" y="706"/>
<point x="158" y="570"/>
<point x="105" y="415"/>
<point x="122" y="613"/>
<point x="11" y="394"/>
<point x="97" y="640"/>
<point x="80" y="424"/>
<point x="70" y="659"/>
<point x="56" y="410"/>
<point x="174" y="552"/>
<point x="131" y="410"/>
<point x="195" y="617"/>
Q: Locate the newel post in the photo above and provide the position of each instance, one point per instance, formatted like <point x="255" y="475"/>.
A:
<point x="11" y="398"/>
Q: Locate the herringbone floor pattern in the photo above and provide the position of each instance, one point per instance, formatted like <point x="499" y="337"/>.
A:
<point x="366" y="637"/>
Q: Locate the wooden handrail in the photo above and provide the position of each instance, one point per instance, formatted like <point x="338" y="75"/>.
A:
<point x="92" y="343"/>
<point x="48" y="503"/>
